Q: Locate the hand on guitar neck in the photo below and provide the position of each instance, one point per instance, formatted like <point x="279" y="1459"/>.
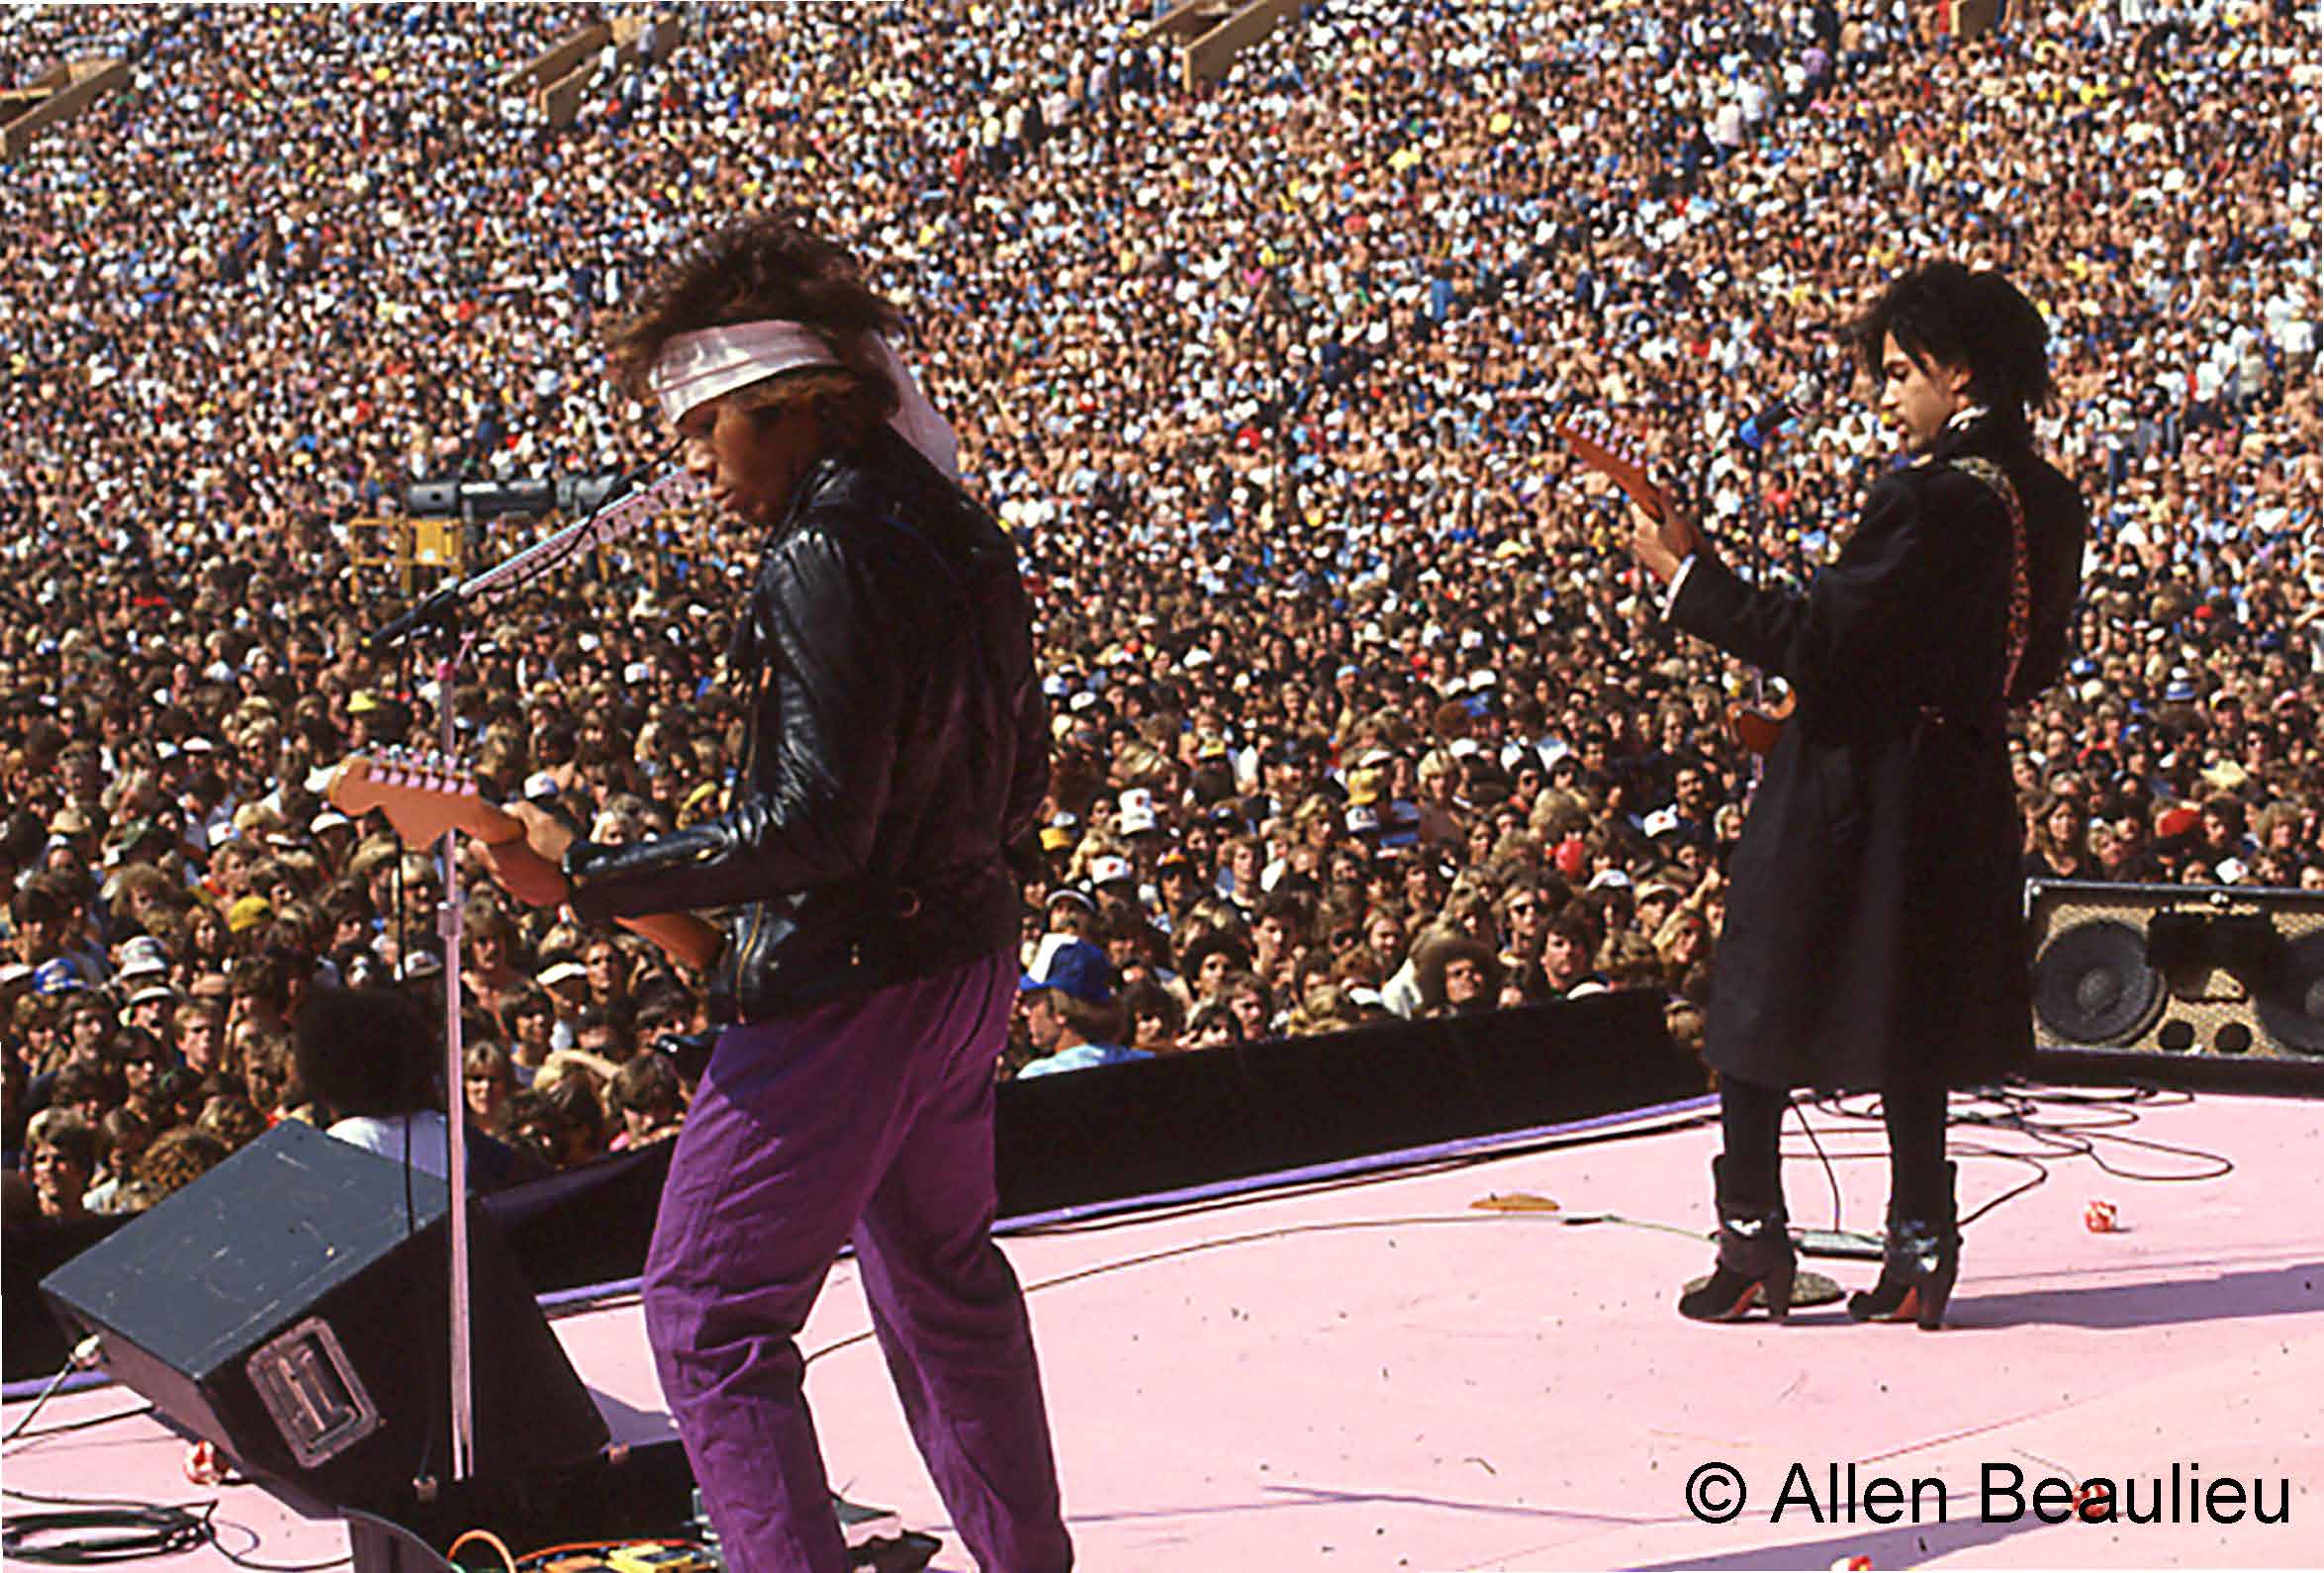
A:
<point x="1662" y="537"/>
<point x="424" y="797"/>
<point x="1661" y="543"/>
<point x="531" y="866"/>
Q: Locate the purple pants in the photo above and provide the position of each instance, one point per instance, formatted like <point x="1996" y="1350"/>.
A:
<point x="870" y="1118"/>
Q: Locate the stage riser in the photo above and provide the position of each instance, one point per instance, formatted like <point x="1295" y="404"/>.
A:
<point x="1103" y="1135"/>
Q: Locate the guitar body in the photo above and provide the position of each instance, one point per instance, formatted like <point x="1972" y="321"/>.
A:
<point x="1759" y="727"/>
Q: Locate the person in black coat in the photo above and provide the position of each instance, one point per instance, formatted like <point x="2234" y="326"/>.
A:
<point x="1875" y="935"/>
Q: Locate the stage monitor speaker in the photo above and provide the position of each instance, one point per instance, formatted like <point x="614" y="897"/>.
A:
<point x="2213" y="987"/>
<point x="287" y="1307"/>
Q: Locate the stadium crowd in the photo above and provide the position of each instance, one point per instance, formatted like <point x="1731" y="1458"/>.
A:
<point x="1359" y="708"/>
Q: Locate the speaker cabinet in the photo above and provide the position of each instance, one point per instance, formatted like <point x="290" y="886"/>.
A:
<point x="292" y="1306"/>
<point x="2193" y="986"/>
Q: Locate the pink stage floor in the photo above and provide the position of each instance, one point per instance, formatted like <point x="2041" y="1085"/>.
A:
<point x="1380" y="1375"/>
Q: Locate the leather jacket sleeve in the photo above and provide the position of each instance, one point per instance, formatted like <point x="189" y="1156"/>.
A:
<point x="822" y="785"/>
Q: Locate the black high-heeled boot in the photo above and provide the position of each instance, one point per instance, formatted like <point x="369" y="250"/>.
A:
<point x="1918" y="1268"/>
<point x="1756" y="1262"/>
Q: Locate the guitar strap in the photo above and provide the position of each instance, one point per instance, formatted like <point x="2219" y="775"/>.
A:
<point x="2020" y="590"/>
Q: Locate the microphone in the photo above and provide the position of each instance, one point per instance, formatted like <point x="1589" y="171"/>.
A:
<point x="426" y="614"/>
<point x="1758" y="432"/>
<point x="620" y="513"/>
<point x="1760" y="428"/>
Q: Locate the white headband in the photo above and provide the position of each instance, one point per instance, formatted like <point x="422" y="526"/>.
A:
<point x="700" y="366"/>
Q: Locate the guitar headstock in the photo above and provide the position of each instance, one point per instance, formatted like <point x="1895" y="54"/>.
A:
<point x="422" y="793"/>
<point x="1614" y="454"/>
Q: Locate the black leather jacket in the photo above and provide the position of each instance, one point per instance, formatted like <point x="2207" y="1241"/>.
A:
<point x="900" y="741"/>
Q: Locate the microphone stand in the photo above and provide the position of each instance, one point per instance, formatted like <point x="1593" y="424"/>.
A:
<point x="449" y="926"/>
<point x="440" y="613"/>
<point x="620" y="513"/>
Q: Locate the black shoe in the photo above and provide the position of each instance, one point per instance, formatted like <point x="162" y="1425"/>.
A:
<point x="907" y="1552"/>
<point x="1756" y="1262"/>
<point x="1918" y="1267"/>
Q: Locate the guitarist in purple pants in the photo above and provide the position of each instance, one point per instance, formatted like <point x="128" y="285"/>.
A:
<point x="899" y="743"/>
<point x="1875" y="936"/>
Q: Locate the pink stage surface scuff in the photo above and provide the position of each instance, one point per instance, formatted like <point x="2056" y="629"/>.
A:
<point x="1380" y="1374"/>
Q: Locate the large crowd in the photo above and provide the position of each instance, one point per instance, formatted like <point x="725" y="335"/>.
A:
<point x="1359" y="710"/>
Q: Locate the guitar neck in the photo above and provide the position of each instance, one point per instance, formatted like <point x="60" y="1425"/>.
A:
<point x="423" y="796"/>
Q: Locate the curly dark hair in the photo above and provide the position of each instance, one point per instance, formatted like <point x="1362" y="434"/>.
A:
<point x="178" y="1156"/>
<point x="1943" y="312"/>
<point x="364" y="1051"/>
<point x="1438" y="951"/>
<point x="767" y="267"/>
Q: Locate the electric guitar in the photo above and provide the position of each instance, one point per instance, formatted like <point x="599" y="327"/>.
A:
<point x="425" y="794"/>
<point x="1615" y="453"/>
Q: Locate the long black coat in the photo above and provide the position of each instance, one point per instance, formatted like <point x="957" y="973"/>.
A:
<point x="1875" y="913"/>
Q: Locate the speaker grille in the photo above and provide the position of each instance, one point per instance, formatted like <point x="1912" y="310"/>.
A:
<point x="2092" y="984"/>
<point x="2208" y="985"/>
<point x="2291" y="1004"/>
